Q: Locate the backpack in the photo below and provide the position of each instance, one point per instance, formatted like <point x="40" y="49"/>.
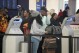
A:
<point x="54" y="29"/>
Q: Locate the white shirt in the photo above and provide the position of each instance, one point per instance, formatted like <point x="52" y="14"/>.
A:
<point x="46" y="21"/>
<point x="36" y="29"/>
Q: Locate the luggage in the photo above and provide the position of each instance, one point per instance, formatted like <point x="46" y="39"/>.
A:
<point x="49" y="45"/>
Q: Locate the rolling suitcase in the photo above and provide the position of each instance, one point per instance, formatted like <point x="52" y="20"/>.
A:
<point x="49" y="45"/>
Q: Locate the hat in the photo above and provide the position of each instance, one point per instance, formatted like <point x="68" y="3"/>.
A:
<point x="44" y="8"/>
<point x="35" y="13"/>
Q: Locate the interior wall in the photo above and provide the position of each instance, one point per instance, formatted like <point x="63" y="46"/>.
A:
<point x="32" y="4"/>
<point x="52" y="4"/>
<point x="77" y="5"/>
<point x="61" y="4"/>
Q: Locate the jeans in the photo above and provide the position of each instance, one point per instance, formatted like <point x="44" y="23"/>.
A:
<point x="40" y="45"/>
<point x="35" y="44"/>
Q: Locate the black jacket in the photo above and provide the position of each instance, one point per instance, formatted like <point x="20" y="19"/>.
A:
<point x="54" y="22"/>
<point x="24" y="20"/>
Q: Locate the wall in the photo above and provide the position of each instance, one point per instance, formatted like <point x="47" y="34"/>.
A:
<point x="52" y="4"/>
<point x="61" y="4"/>
<point x="32" y="4"/>
<point x="77" y="5"/>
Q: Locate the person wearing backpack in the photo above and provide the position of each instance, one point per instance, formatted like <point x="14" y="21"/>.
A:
<point x="57" y="27"/>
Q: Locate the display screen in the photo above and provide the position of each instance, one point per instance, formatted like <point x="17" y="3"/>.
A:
<point x="10" y="4"/>
<point x="16" y="20"/>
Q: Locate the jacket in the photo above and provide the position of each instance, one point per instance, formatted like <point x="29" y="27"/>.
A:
<point x="36" y="29"/>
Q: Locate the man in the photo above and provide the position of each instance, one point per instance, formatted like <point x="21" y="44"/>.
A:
<point x="46" y="21"/>
<point x="45" y="18"/>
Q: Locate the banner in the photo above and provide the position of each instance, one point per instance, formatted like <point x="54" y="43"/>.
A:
<point x="38" y="4"/>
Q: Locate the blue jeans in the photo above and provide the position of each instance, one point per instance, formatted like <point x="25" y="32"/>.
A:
<point x="35" y="44"/>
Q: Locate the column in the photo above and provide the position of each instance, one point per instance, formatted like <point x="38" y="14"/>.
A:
<point x="72" y="6"/>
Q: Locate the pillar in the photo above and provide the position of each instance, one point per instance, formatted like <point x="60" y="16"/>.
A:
<point x="72" y="6"/>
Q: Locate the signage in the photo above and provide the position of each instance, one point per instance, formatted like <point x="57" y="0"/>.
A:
<point x="38" y="4"/>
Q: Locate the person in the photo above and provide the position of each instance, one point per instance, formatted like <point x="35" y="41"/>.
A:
<point x="65" y="13"/>
<point x="3" y="27"/>
<point x="52" y="11"/>
<point x="76" y="19"/>
<point x="36" y="29"/>
<point x="60" y="14"/>
<point x="25" y="19"/>
<point x="54" y="19"/>
<point x="45" y="18"/>
<point x="73" y="19"/>
<point x="20" y="10"/>
<point x="54" y="22"/>
<point x="49" y="13"/>
<point x="46" y="22"/>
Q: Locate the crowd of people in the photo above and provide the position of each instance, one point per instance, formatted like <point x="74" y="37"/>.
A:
<point x="36" y="22"/>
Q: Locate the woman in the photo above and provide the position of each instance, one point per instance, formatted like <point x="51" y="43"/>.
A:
<point x="25" y="19"/>
<point x="54" y="20"/>
<point x="36" y="29"/>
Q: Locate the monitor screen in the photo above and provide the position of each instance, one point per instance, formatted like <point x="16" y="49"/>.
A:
<point x="10" y="4"/>
<point x="16" y="20"/>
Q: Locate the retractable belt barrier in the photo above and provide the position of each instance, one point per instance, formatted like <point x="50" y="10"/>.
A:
<point x="45" y="35"/>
